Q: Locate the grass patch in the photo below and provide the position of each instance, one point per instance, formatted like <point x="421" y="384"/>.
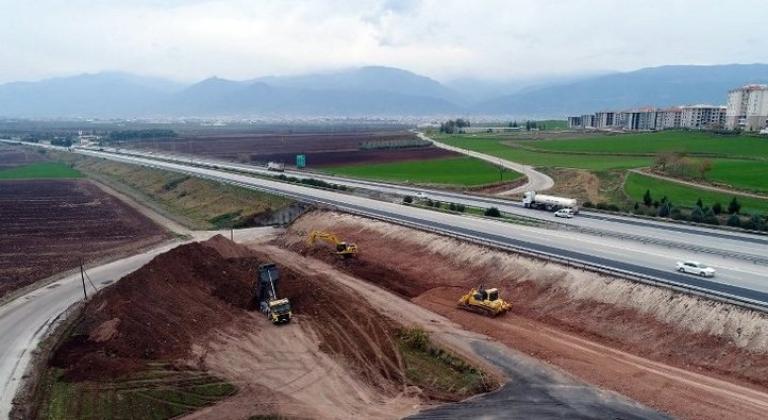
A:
<point x="742" y="174"/>
<point x="193" y="202"/>
<point x="684" y="196"/>
<point x="690" y="142"/>
<point x="152" y="394"/>
<point x="463" y="171"/>
<point x="496" y="146"/>
<point x="437" y="371"/>
<point x="41" y="170"/>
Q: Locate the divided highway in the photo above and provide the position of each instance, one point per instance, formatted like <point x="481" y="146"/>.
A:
<point x="738" y="278"/>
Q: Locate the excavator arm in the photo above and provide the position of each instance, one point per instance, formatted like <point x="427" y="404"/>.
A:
<point x="342" y="248"/>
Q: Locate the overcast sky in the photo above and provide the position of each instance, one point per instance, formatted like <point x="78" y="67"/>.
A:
<point x="190" y="40"/>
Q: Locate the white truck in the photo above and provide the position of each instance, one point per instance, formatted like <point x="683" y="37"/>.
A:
<point x="276" y="166"/>
<point x="549" y="202"/>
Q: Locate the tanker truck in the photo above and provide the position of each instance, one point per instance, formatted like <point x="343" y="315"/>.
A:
<point x="549" y="202"/>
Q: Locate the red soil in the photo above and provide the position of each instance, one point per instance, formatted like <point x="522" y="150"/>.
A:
<point x="623" y="343"/>
<point x="49" y="226"/>
<point x="12" y="156"/>
<point x="321" y="149"/>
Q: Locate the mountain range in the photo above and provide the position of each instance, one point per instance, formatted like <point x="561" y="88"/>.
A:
<point x="370" y="91"/>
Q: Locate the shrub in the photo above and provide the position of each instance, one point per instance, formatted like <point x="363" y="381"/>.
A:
<point x="697" y="215"/>
<point x="612" y="207"/>
<point x="415" y="337"/>
<point x="602" y="206"/>
<point x="647" y="199"/>
<point x="437" y="204"/>
<point x="429" y="202"/>
<point x="717" y="208"/>
<point x="734" y="206"/>
<point x="755" y="223"/>
<point x="460" y="207"/>
<point x="492" y="212"/>
<point x="452" y="207"/>
<point x="676" y="214"/>
<point x="734" y="220"/>
<point x="664" y="210"/>
<point x="588" y="204"/>
<point x="710" y="217"/>
<point x="408" y="199"/>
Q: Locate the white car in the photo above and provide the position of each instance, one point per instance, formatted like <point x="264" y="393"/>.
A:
<point x="697" y="268"/>
<point x="567" y="213"/>
<point x="421" y="196"/>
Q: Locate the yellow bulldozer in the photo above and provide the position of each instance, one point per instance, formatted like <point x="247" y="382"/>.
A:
<point x="342" y="248"/>
<point x="484" y="301"/>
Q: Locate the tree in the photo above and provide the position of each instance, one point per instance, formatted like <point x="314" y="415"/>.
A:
<point x="755" y="223"/>
<point x="700" y="203"/>
<point x="734" y="206"/>
<point x="703" y="167"/>
<point x="647" y="199"/>
<point x="734" y="220"/>
<point x="717" y="208"/>
<point x="492" y="212"/>
<point x="697" y="215"/>
<point x="636" y="206"/>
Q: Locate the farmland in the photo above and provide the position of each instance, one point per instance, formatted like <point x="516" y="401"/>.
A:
<point x="452" y="171"/>
<point x="13" y="156"/>
<point x="320" y="149"/>
<point x="49" y="226"/>
<point x="40" y="170"/>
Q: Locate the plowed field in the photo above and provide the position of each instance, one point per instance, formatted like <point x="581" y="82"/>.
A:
<point x="49" y="226"/>
<point x="321" y="149"/>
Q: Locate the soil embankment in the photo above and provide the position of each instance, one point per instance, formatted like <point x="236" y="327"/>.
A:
<point x="190" y="311"/>
<point x="684" y="355"/>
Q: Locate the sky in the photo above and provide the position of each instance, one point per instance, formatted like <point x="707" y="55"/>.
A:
<point x="189" y="40"/>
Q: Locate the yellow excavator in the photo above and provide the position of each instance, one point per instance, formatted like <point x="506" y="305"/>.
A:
<point x="484" y="301"/>
<point x="342" y="248"/>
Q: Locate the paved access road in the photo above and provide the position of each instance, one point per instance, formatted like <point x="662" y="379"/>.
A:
<point x="537" y="181"/>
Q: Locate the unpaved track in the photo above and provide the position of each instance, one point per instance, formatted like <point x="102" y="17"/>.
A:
<point x="539" y="390"/>
<point x="537" y="181"/>
<point x="697" y="185"/>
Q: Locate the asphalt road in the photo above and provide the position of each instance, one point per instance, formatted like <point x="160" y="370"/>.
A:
<point x="737" y="277"/>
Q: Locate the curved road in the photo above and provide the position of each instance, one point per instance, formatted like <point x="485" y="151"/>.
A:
<point x="537" y="181"/>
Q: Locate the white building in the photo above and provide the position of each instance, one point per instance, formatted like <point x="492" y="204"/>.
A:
<point x="702" y="116"/>
<point x="669" y="118"/>
<point x="747" y="108"/>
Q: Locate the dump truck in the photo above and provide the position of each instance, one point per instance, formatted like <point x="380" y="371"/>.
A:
<point x="484" y="301"/>
<point x="277" y="310"/>
<point x="342" y="249"/>
<point x="549" y="202"/>
<point x="276" y="166"/>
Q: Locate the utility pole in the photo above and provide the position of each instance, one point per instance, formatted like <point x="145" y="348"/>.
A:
<point x="232" y="234"/>
<point x="82" y="277"/>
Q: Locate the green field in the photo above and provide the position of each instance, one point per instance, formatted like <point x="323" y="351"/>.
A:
<point x="42" y="170"/>
<point x="495" y="146"/>
<point x="743" y="174"/>
<point x="463" y="171"/>
<point x="684" y="196"/>
<point x="691" y="142"/>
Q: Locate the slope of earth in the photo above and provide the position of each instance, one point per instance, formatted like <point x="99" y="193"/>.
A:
<point x="687" y="356"/>
<point x="190" y="311"/>
<point x="51" y="226"/>
<point x="193" y="202"/>
<point x="320" y="149"/>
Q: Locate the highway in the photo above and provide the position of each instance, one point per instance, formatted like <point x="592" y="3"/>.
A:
<point x="737" y="278"/>
<point x="710" y="244"/>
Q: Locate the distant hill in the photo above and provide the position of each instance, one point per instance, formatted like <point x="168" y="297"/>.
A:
<point x="658" y="86"/>
<point x="369" y="91"/>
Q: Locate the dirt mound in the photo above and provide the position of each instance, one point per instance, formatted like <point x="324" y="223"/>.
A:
<point x="158" y="311"/>
<point x="657" y="324"/>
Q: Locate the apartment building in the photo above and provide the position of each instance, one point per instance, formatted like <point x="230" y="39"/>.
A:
<point x="702" y="116"/>
<point x="640" y="119"/>
<point x="669" y="118"/>
<point x="747" y="108"/>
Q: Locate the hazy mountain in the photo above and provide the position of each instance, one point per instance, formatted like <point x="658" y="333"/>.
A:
<point x="369" y="91"/>
<point x="368" y="79"/>
<point x="481" y="90"/>
<point x="657" y="86"/>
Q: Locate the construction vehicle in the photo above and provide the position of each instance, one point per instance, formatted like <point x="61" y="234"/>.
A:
<point x="343" y="249"/>
<point x="484" y="301"/>
<point x="277" y="310"/>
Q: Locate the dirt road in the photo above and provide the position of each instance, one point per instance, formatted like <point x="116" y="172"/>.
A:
<point x="536" y="390"/>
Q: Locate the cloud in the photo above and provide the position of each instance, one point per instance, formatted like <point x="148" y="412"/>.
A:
<point x="500" y="39"/>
